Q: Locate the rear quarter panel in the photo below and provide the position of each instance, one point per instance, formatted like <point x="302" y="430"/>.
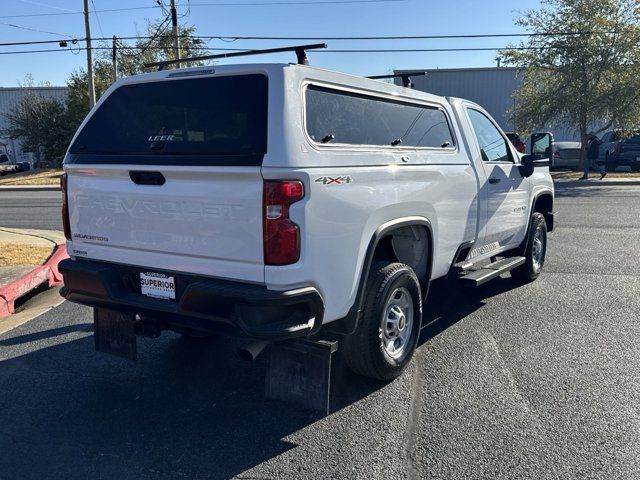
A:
<point x="339" y="219"/>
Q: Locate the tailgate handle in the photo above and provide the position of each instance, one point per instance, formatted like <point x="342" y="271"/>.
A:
<point x="146" y="178"/>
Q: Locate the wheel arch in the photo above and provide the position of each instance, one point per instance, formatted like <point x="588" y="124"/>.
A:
<point x="543" y="203"/>
<point x="380" y="247"/>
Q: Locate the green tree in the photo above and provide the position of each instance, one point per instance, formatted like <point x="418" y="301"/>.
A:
<point x="78" y="94"/>
<point x="581" y="67"/>
<point x="158" y="47"/>
<point x="131" y="61"/>
<point x="40" y="125"/>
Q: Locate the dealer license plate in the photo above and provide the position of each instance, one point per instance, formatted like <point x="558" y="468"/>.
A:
<point x="157" y="285"/>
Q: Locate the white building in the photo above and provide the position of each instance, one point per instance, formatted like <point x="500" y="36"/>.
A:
<point x="9" y="97"/>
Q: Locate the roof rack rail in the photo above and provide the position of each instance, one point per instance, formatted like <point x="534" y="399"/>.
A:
<point x="301" y="54"/>
<point x="406" y="77"/>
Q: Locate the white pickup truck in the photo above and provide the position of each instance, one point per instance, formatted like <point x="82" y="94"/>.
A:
<point x="278" y="201"/>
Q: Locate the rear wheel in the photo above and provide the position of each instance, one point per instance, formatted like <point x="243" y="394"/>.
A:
<point x="535" y="250"/>
<point x="386" y="338"/>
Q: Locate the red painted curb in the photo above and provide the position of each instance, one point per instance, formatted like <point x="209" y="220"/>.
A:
<point x="47" y="272"/>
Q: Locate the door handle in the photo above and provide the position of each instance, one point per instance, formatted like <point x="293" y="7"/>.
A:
<point x="146" y="178"/>
<point x="494" y="180"/>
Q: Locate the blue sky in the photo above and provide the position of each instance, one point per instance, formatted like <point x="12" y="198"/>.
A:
<point x="388" y="18"/>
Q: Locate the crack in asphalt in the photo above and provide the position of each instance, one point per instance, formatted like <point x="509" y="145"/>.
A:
<point x="489" y="341"/>
<point x="417" y="387"/>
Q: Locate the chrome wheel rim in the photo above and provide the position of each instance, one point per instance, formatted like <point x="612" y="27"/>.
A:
<point x="539" y="244"/>
<point x="397" y="323"/>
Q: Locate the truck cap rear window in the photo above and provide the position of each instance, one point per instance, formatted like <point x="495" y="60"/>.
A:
<point x="214" y="116"/>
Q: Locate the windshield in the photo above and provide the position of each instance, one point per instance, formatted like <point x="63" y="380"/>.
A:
<point x="204" y="116"/>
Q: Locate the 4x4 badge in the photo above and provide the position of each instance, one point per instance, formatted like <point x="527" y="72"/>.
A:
<point x="334" y="180"/>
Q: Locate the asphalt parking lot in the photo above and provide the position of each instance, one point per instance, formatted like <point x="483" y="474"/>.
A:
<point x="537" y="381"/>
<point x="39" y="209"/>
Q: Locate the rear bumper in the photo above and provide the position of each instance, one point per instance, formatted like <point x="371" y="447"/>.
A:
<point x="202" y="303"/>
<point x="626" y="159"/>
<point x="559" y="162"/>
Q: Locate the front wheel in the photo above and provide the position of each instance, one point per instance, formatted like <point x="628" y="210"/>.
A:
<point x="535" y="250"/>
<point x="386" y="338"/>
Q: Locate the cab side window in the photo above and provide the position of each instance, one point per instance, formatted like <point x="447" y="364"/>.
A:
<point x="493" y="146"/>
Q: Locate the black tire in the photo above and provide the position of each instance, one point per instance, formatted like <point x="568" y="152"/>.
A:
<point x="609" y="164"/>
<point x="533" y="264"/>
<point x="365" y="351"/>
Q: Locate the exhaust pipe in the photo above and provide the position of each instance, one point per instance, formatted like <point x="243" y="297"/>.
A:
<point x="252" y="350"/>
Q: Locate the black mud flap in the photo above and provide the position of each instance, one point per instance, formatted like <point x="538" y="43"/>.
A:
<point x="299" y="372"/>
<point x="113" y="333"/>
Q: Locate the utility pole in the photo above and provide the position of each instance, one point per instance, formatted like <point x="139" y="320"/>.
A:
<point x="87" y="27"/>
<point x="176" y="39"/>
<point x="114" y="57"/>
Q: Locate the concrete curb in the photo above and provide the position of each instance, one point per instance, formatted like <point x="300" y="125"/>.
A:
<point x="597" y="183"/>
<point x="45" y="273"/>
<point x="29" y="188"/>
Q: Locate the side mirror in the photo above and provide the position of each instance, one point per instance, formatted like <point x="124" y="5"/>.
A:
<point x="542" y="144"/>
<point x="529" y="162"/>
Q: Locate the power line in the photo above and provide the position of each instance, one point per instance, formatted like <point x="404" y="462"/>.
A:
<point x="33" y="29"/>
<point x="369" y="38"/>
<point x="407" y="37"/>
<point x="97" y="18"/>
<point x="222" y="4"/>
<point x="120" y="47"/>
<point x="410" y="50"/>
<point x="75" y="12"/>
<point x="293" y="2"/>
<point x="398" y="50"/>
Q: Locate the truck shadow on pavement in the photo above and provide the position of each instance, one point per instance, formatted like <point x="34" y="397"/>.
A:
<point x="186" y="408"/>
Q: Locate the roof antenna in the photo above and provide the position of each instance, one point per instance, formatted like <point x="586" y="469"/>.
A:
<point x="406" y="77"/>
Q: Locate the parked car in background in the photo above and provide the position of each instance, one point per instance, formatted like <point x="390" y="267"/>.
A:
<point x="5" y="165"/>
<point x="620" y="149"/>
<point x="566" y="155"/>
<point x="514" y="138"/>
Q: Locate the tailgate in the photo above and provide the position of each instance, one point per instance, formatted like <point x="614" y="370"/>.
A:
<point x="165" y="174"/>
<point x="202" y="221"/>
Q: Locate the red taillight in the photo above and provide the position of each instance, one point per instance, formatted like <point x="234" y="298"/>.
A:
<point x="618" y="147"/>
<point x="556" y="153"/>
<point x="281" y="235"/>
<point x="65" y="207"/>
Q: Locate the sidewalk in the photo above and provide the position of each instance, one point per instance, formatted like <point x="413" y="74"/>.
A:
<point x="26" y="188"/>
<point x="595" y="176"/>
<point x="28" y="258"/>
